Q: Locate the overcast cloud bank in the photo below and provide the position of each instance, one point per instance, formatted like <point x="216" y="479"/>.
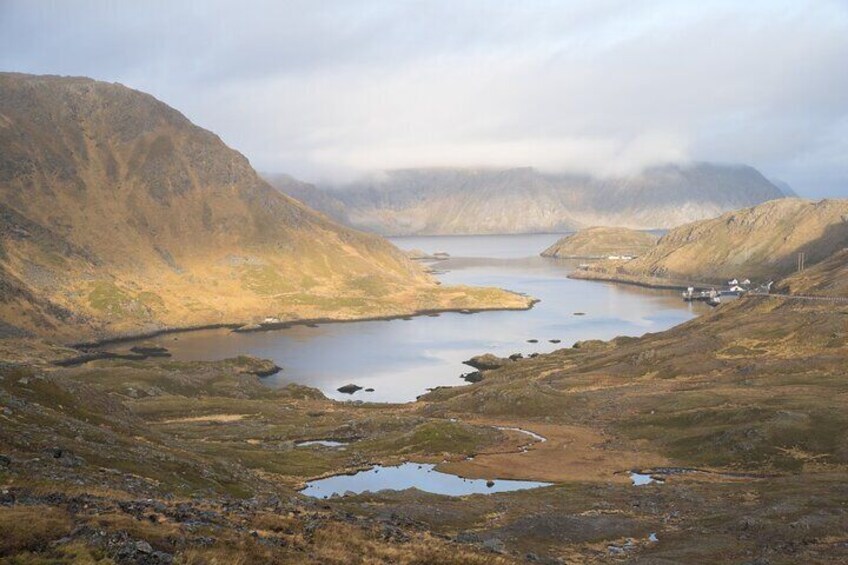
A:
<point x="328" y="90"/>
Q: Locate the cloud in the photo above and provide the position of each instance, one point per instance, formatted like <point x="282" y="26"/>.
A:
<point x="335" y="88"/>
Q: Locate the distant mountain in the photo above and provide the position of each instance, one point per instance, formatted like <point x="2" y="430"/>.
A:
<point x="784" y="187"/>
<point x="118" y="215"/>
<point x="760" y="243"/>
<point x="602" y="242"/>
<point x="311" y="195"/>
<point x="524" y="200"/>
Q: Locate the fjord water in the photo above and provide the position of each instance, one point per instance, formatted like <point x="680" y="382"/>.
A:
<point x="401" y="359"/>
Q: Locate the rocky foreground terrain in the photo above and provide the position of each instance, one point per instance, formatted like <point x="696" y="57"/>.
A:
<point x="118" y="215"/>
<point x="601" y="243"/>
<point x="524" y="200"/>
<point x="761" y="243"/>
<point x="738" y="416"/>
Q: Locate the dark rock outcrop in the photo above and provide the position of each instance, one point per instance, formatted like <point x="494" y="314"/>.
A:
<point x="486" y="362"/>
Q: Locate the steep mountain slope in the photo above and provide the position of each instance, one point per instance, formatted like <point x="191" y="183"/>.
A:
<point x="457" y="201"/>
<point x="602" y="242"/>
<point x="762" y="242"/>
<point x="121" y="215"/>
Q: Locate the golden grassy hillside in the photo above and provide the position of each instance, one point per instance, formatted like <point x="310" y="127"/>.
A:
<point x="826" y="278"/>
<point x="759" y="243"/>
<point x="601" y="242"/>
<point x="120" y="215"/>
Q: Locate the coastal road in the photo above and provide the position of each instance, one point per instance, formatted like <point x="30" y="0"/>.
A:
<point x="840" y="299"/>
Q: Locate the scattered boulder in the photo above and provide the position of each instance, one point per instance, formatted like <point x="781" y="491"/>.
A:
<point x="532" y="341"/>
<point x="349" y="388"/>
<point x="516" y="357"/>
<point x="64" y="457"/>
<point x="554" y="340"/>
<point x="486" y="362"/>
<point x="494" y="545"/>
<point x="467" y="537"/>
<point x="369" y="390"/>
<point x="265" y="368"/>
<point x="5" y="461"/>
<point x="473" y="377"/>
<point x="250" y="365"/>
<point x="393" y="533"/>
<point x="590" y="344"/>
<point x="490" y="483"/>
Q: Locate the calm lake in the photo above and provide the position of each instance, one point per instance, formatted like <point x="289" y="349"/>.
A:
<point x="401" y="359"/>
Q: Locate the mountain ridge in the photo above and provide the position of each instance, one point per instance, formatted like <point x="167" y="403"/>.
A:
<point x="761" y="242"/>
<point x="121" y="216"/>
<point x="441" y="201"/>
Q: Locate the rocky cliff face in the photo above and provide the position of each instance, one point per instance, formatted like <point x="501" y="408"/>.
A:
<point x="468" y="201"/>
<point x="121" y="215"/>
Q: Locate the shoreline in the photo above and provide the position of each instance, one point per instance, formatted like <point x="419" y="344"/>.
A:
<point x="264" y="327"/>
<point x="660" y="284"/>
<point x="89" y="349"/>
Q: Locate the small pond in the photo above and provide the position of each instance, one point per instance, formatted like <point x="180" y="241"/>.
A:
<point x="321" y="442"/>
<point x="641" y="479"/>
<point x="421" y="476"/>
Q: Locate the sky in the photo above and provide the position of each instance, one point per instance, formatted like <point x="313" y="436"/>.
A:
<point x="327" y="90"/>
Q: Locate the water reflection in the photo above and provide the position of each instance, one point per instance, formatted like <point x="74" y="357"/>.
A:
<point x="402" y="359"/>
